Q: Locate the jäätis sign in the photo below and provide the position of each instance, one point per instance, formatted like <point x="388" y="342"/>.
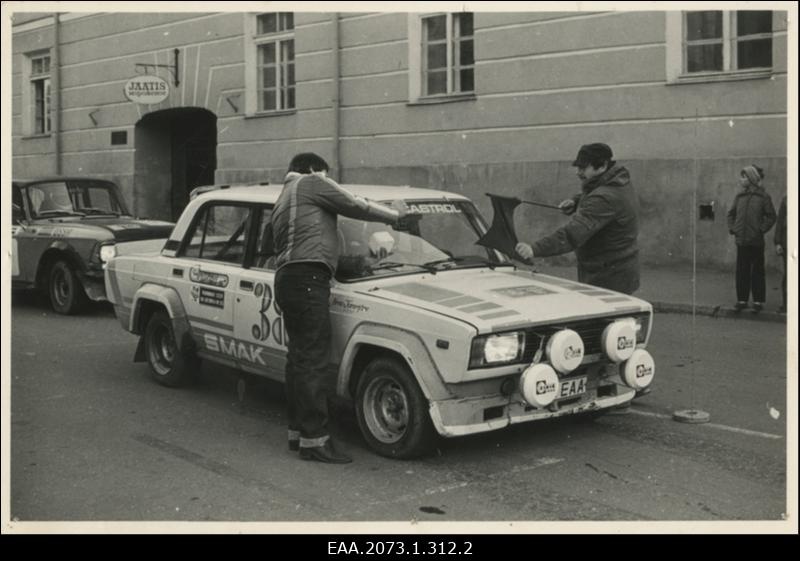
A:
<point x="147" y="89"/>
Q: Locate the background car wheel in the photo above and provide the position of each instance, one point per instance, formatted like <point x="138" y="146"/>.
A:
<point x="64" y="289"/>
<point x="392" y="412"/>
<point x="168" y="365"/>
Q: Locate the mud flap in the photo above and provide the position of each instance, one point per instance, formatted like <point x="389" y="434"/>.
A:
<point x="139" y="355"/>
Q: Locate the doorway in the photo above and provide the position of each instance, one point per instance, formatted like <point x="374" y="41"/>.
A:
<point x="176" y="151"/>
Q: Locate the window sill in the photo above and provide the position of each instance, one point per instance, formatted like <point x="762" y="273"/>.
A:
<point x="35" y="136"/>
<point x="435" y="100"/>
<point x="263" y="114"/>
<point x="701" y="78"/>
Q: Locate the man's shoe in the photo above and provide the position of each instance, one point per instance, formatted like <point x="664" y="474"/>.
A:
<point x="757" y="307"/>
<point x="294" y="445"/>
<point x="325" y="453"/>
<point x="739" y="306"/>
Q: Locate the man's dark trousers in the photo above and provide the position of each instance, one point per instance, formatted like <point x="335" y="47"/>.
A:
<point x="302" y="290"/>
<point x="750" y="273"/>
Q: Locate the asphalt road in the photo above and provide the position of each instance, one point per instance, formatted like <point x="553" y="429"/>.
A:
<point x="94" y="439"/>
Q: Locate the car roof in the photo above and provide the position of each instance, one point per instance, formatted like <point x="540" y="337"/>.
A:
<point x="270" y="193"/>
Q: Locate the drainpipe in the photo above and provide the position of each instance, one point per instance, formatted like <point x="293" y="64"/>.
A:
<point x="55" y="93"/>
<point x="336" y="99"/>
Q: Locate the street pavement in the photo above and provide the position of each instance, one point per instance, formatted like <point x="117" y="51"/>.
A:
<point x="672" y="290"/>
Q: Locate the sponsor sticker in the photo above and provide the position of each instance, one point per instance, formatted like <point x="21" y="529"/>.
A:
<point x="522" y="291"/>
<point x="346" y="305"/>
<point x="430" y="208"/>
<point x="205" y="277"/>
<point x="208" y="297"/>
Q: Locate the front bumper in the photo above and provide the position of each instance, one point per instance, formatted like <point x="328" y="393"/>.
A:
<point x="94" y="284"/>
<point x="459" y="417"/>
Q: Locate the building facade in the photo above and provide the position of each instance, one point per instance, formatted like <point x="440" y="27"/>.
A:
<point x="478" y="102"/>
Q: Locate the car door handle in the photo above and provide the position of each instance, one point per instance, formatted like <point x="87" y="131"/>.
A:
<point x="177" y="272"/>
<point x="246" y="285"/>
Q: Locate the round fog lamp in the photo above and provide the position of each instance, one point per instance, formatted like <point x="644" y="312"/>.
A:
<point x="565" y="350"/>
<point x="539" y="385"/>
<point x="638" y="370"/>
<point x="619" y="340"/>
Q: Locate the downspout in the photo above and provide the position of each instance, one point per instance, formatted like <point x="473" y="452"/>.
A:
<point x="55" y="87"/>
<point x="337" y="86"/>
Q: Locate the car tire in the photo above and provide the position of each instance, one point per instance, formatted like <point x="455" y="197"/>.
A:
<point x="392" y="411"/>
<point x="168" y="365"/>
<point x="64" y="289"/>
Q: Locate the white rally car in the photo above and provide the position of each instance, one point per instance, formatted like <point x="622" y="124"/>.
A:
<point x="432" y="333"/>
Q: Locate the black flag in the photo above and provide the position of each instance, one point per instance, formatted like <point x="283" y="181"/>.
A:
<point x="501" y="235"/>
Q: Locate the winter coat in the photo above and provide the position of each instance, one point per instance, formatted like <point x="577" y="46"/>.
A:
<point x="602" y="232"/>
<point x="304" y="220"/>
<point x="751" y="216"/>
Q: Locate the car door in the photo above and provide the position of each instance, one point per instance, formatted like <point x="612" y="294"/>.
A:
<point x="259" y="322"/>
<point x="206" y="272"/>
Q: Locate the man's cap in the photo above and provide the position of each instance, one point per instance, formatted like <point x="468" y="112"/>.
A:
<point x="593" y="152"/>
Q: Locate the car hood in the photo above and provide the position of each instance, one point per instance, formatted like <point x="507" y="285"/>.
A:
<point x="122" y="229"/>
<point x="494" y="300"/>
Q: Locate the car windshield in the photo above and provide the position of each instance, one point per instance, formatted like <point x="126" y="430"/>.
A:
<point x="85" y="197"/>
<point x="434" y="236"/>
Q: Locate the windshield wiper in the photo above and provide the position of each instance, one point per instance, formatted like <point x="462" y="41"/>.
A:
<point x="397" y="264"/>
<point x="45" y="213"/>
<point x="95" y="211"/>
<point x="467" y="258"/>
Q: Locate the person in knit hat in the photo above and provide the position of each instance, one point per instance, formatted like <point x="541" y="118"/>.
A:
<point x="750" y="217"/>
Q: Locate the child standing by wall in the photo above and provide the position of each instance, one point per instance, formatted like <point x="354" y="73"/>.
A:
<point x="750" y="217"/>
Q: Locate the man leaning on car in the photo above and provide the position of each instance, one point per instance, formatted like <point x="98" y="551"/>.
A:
<point x="304" y="224"/>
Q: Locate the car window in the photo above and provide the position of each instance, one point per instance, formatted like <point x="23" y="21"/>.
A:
<point x="219" y="233"/>
<point x="49" y="197"/>
<point x="17" y="205"/>
<point x="264" y="256"/>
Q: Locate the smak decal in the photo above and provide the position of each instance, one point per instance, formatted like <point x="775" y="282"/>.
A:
<point x="642" y="371"/>
<point x="625" y="343"/>
<point x="572" y="352"/>
<point x="234" y="348"/>
<point x="270" y="317"/>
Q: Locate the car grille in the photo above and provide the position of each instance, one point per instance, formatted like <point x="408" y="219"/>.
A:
<point x="590" y="330"/>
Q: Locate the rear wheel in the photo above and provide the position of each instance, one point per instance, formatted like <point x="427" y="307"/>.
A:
<point x="168" y="365"/>
<point x="64" y="289"/>
<point x="392" y="411"/>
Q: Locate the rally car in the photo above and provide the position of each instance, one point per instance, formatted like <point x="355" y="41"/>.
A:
<point x="433" y="335"/>
<point x="64" y="230"/>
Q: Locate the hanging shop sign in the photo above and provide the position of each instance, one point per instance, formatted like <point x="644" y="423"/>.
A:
<point x="147" y="89"/>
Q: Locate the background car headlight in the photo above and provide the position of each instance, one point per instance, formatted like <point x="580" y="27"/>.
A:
<point x="642" y="326"/>
<point x="493" y="350"/>
<point x="107" y="252"/>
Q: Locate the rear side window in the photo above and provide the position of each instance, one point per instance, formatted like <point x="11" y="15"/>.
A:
<point x="219" y="234"/>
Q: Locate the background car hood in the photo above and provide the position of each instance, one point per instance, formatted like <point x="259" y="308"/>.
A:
<point x="493" y="300"/>
<point x="121" y="228"/>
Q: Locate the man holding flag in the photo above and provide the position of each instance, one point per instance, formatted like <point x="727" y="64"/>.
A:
<point x="604" y="226"/>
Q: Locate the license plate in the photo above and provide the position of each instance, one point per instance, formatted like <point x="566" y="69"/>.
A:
<point x="575" y="386"/>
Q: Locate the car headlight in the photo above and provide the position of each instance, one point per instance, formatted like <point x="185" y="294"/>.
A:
<point x="107" y="252"/>
<point x="496" y="349"/>
<point x="642" y="326"/>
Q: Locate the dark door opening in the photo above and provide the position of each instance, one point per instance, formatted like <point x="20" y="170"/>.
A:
<point x="176" y="151"/>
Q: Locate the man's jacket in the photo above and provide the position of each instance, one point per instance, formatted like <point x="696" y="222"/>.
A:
<point x="780" y="225"/>
<point x="602" y="232"/>
<point x="304" y="219"/>
<point x="751" y="216"/>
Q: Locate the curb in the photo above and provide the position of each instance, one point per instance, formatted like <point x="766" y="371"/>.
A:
<point x="717" y="312"/>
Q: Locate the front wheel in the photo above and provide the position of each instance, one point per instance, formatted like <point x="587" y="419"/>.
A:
<point x="64" y="289"/>
<point x="392" y="411"/>
<point x="168" y="365"/>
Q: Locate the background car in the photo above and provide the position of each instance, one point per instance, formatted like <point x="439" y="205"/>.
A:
<point x="64" y="230"/>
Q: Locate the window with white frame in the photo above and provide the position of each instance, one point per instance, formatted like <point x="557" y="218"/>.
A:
<point x="726" y="41"/>
<point x="272" y="54"/>
<point x="447" y="54"/>
<point x="40" y="93"/>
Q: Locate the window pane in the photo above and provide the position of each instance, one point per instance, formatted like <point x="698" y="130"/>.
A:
<point x="466" y="56"/>
<point x="36" y="66"/>
<point x="290" y="102"/>
<point x="437" y="56"/>
<point x="290" y="75"/>
<point x="225" y="234"/>
<point x="755" y="53"/>
<point x="749" y="23"/>
<point x="268" y="100"/>
<point x="267" y="23"/>
<point x="46" y="64"/>
<point x="701" y="58"/>
<point x="437" y="82"/>
<point x="435" y="28"/>
<point x="464" y="25"/>
<point x="703" y="25"/>
<point x="287" y="20"/>
<point x="467" y="80"/>
<point x="268" y="77"/>
<point x="266" y="54"/>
